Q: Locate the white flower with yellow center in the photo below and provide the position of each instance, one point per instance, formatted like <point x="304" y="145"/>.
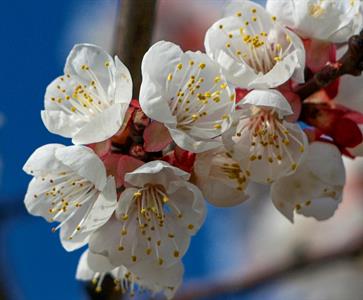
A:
<point x="93" y="267"/>
<point x="70" y="186"/>
<point x="88" y="103"/>
<point x="156" y="215"/>
<point x="187" y="93"/>
<point x="261" y="140"/>
<point x="253" y="49"/>
<point x="220" y="178"/>
<point x="315" y="189"/>
<point x="327" y="20"/>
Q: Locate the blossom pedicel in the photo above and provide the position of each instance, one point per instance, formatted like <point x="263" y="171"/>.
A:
<point x="134" y="185"/>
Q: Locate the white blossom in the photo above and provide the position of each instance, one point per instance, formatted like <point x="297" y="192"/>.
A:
<point x="95" y="267"/>
<point x="350" y="92"/>
<point x="220" y="178"/>
<point x="187" y="93"/>
<point x="327" y="20"/>
<point x="315" y="189"/>
<point x="253" y="50"/>
<point x="70" y="186"/>
<point x="88" y="103"/>
<point x="261" y="140"/>
<point x="156" y="215"/>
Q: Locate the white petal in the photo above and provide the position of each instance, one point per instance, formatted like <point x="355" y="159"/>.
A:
<point x="321" y="208"/>
<point x="103" y="126"/>
<point x="309" y="191"/>
<point x="266" y="146"/>
<point x="43" y="160"/>
<point x="89" y="102"/>
<point x="237" y="72"/>
<point x="83" y="161"/>
<point x="108" y="239"/>
<point x="124" y="201"/>
<point x="253" y="50"/>
<point x="187" y="93"/>
<point x="58" y="122"/>
<point x="123" y="81"/>
<point x="167" y="279"/>
<point x="284" y="9"/>
<point x="191" y="204"/>
<point x="155" y="172"/>
<point x="187" y="142"/>
<point x="96" y="59"/>
<point x="83" y="270"/>
<point x="98" y="263"/>
<point x="171" y="250"/>
<point x="350" y="92"/>
<point x="157" y="63"/>
<point x="59" y="115"/>
<point x="35" y="201"/>
<point x="236" y="6"/>
<point x="89" y="218"/>
<point x="217" y="177"/>
<point x="280" y="73"/>
<point x="272" y="99"/>
<point x="329" y="167"/>
<point x="221" y="195"/>
<point x="299" y="73"/>
<point x="333" y="21"/>
<point x="103" y="240"/>
<point x="153" y="103"/>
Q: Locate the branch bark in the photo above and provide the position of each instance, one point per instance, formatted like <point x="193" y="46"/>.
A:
<point x="134" y="34"/>
<point x="281" y="270"/>
<point x="351" y="63"/>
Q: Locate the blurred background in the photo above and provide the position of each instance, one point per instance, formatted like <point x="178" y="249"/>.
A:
<point x="235" y="242"/>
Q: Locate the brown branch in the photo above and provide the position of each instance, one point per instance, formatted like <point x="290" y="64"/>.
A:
<point x="280" y="270"/>
<point x="133" y="35"/>
<point x="3" y="294"/>
<point x="351" y="63"/>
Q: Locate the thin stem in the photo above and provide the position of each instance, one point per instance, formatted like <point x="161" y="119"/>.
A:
<point x="351" y="63"/>
<point x="134" y="34"/>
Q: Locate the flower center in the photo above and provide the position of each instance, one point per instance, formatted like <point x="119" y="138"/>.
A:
<point x="150" y="201"/>
<point x="66" y="193"/>
<point x="255" y="45"/>
<point x="193" y="101"/>
<point x="81" y="100"/>
<point x="269" y="139"/>
<point x="233" y="172"/>
<point x="316" y="10"/>
<point x="227" y="168"/>
<point x="150" y="207"/>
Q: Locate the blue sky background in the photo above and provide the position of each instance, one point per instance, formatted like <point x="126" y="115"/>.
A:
<point x="33" y="263"/>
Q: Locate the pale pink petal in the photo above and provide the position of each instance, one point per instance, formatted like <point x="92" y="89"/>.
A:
<point x="318" y="54"/>
<point x="125" y="165"/>
<point x="156" y="137"/>
<point x="101" y="148"/>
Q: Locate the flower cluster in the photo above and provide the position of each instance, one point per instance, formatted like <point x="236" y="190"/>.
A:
<point x="134" y="184"/>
